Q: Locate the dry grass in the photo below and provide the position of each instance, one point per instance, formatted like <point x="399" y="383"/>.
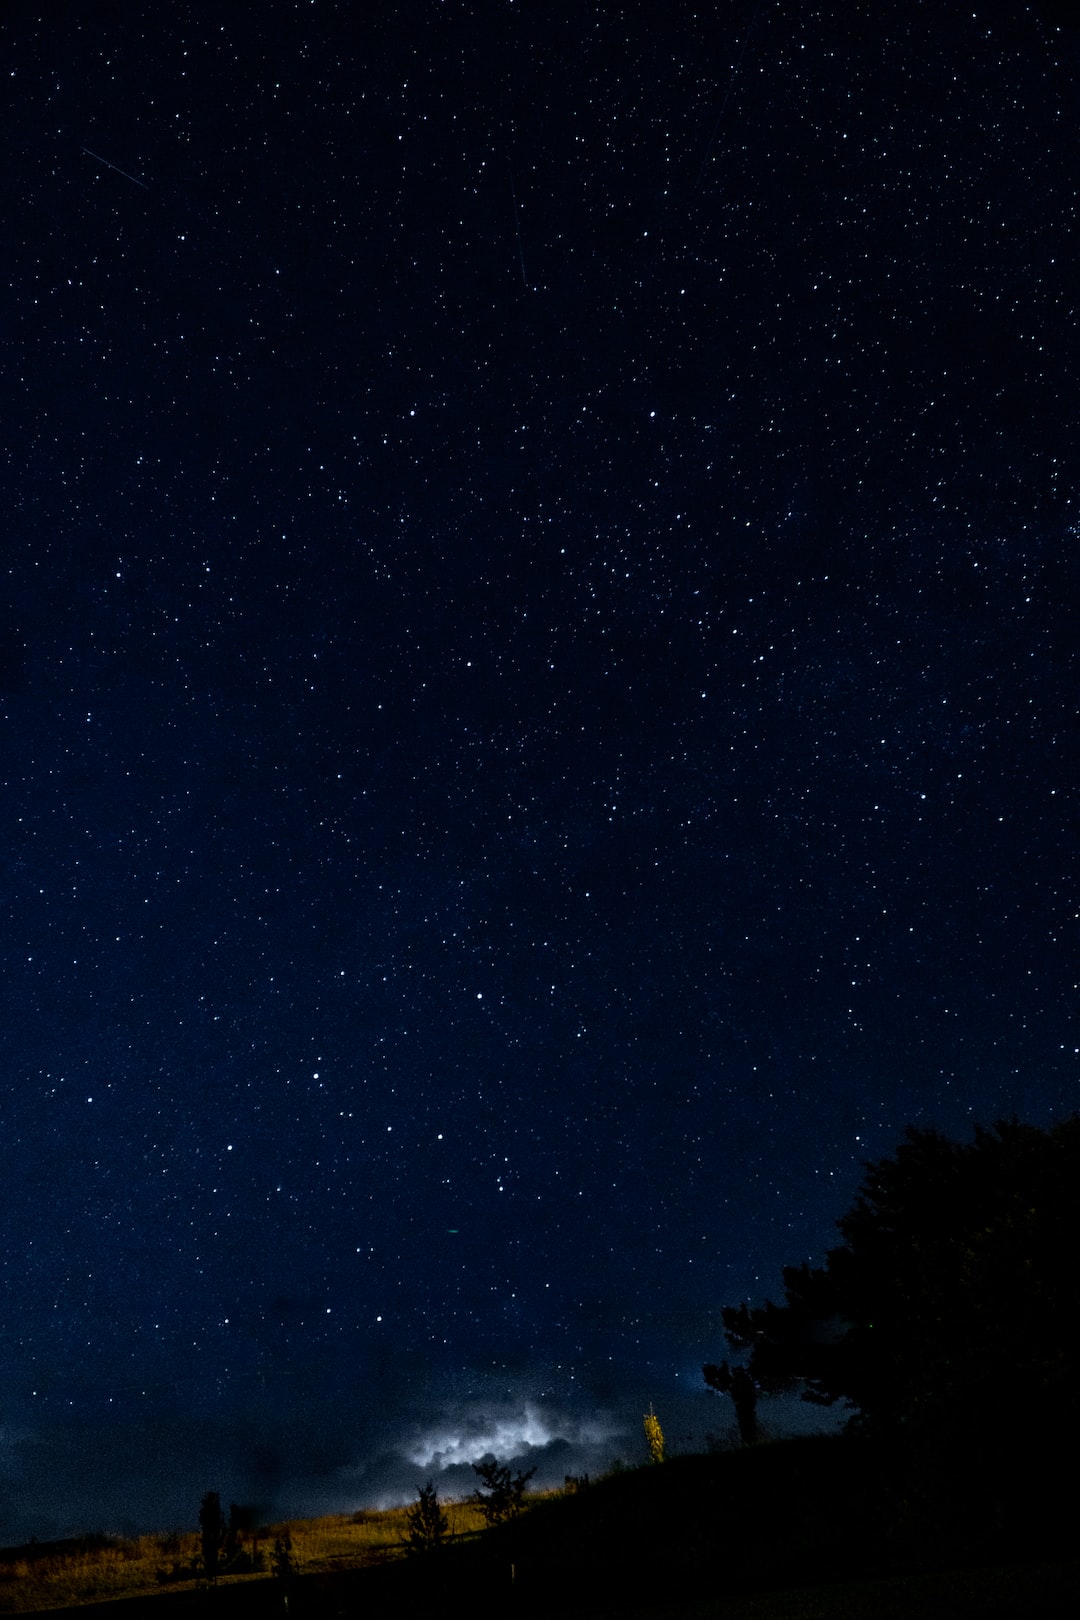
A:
<point x="56" y="1577"/>
<point x="344" y="1541"/>
<point x="66" y="1574"/>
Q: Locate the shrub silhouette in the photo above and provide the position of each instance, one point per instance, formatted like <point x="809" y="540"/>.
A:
<point x="283" y="1559"/>
<point x="426" y="1525"/>
<point x="502" y="1494"/>
<point x="222" y="1541"/>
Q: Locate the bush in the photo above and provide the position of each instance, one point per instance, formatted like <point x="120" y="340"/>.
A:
<point x="426" y="1524"/>
<point x="501" y="1496"/>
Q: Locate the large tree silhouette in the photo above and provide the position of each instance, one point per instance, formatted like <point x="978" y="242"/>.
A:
<point x="946" y="1319"/>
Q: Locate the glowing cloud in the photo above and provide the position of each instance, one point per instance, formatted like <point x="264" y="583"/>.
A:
<point x="466" y="1438"/>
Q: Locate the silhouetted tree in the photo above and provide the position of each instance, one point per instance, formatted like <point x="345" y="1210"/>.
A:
<point x="223" y="1539"/>
<point x="214" y="1532"/>
<point x="283" y="1566"/>
<point x="944" y="1319"/>
<point x="282" y="1559"/>
<point x="746" y="1382"/>
<point x="235" y="1557"/>
<point x="426" y="1523"/>
<point x="737" y="1382"/>
<point x="502" y="1494"/>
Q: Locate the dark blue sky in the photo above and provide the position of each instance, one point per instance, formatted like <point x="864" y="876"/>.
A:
<point x="537" y="717"/>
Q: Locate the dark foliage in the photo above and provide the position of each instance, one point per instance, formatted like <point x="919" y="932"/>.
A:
<point x="738" y="1383"/>
<point x="945" y="1318"/>
<point x="427" y="1524"/>
<point x="747" y="1382"/>
<point x="502" y="1494"/>
<point x="282" y="1559"/>
<point x="213" y="1531"/>
<point x="223" y="1548"/>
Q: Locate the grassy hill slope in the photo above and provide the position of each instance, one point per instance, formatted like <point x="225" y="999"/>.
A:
<point x="806" y="1529"/>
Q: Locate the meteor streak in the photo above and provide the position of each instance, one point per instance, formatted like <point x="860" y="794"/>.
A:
<point x="98" y="158"/>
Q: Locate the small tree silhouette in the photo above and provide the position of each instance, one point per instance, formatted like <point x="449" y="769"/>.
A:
<point x="501" y="1495"/>
<point x="214" y="1532"/>
<point x="283" y="1565"/>
<point x="223" y="1539"/>
<point x="282" y="1561"/>
<point x="426" y="1523"/>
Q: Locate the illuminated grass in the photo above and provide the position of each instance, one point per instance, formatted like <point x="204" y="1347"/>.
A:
<point x="69" y="1573"/>
<point x="344" y="1541"/>
<point x="93" y="1570"/>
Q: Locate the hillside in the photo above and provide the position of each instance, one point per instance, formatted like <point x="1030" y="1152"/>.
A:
<point x="804" y="1529"/>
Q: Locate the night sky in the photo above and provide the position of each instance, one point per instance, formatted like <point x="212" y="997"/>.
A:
<point x="538" y="555"/>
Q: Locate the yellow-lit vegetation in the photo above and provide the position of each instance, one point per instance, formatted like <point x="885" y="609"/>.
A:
<point x="654" y="1436"/>
<point x="93" y="1569"/>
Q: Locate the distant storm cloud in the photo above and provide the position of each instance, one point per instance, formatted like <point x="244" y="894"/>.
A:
<point x="443" y="1441"/>
<point x="466" y="1437"/>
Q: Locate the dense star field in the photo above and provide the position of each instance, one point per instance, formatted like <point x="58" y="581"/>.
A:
<point x="538" y="573"/>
